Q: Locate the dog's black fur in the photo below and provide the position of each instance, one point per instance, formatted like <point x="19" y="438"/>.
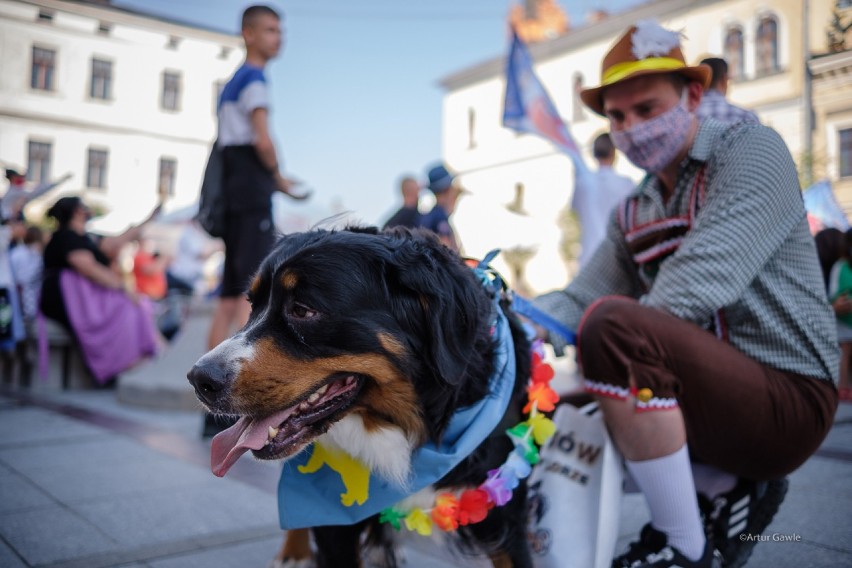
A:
<point x="323" y="294"/>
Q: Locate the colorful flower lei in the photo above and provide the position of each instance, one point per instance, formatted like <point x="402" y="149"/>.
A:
<point x="471" y="506"/>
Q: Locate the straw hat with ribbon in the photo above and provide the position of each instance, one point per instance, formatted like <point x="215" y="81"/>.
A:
<point x="646" y="49"/>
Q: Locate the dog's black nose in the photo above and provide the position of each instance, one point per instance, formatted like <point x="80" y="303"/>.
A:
<point x="210" y="382"/>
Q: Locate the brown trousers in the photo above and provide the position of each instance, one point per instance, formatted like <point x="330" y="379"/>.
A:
<point x="741" y="416"/>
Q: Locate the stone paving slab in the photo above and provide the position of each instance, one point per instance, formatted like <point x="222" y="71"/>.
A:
<point x="840" y="436"/>
<point x="116" y="481"/>
<point x="818" y="506"/>
<point x="8" y="557"/>
<point x="89" y="452"/>
<point x="145" y="555"/>
<point x="180" y="514"/>
<point x="29" y="426"/>
<point x="255" y="553"/>
<point x="50" y="534"/>
<point x="19" y="494"/>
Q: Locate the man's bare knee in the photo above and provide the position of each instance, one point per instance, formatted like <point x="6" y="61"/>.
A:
<point x="643" y="435"/>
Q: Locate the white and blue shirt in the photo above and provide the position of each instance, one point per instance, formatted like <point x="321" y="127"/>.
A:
<point x="245" y="92"/>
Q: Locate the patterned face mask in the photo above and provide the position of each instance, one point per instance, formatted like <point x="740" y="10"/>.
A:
<point x="653" y="144"/>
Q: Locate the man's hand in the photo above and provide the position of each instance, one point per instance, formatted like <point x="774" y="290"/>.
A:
<point x="842" y="305"/>
<point x="286" y="186"/>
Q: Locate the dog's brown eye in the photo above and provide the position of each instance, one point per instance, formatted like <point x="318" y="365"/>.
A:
<point x="302" y="311"/>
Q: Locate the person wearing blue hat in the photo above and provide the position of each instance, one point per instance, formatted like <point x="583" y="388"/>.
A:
<point x="441" y="183"/>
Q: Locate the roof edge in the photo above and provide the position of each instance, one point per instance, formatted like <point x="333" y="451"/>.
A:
<point x="131" y="16"/>
<point x="549" y="49"/>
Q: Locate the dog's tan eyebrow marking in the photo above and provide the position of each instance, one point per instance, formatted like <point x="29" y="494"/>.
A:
<point x="289" y="280"/>
<point x="391" y="344"/>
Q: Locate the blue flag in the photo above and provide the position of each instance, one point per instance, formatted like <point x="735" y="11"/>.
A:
<point x="823" y="210"/>
<point x="528" y="108"/>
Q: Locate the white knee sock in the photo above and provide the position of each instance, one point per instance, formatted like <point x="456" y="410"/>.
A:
<point x="711" y="481"/>
<point x="667" y="485"/>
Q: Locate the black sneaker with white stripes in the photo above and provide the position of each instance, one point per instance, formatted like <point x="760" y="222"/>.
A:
<point x="652" y="550"/>
<point x="734" y="520"/>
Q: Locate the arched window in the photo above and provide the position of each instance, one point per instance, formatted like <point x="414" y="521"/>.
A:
<point x="766" y="60"/>
<point x="577" y="114"/>
<point x="734" y="52"/>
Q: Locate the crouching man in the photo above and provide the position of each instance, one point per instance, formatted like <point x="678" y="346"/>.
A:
<point x="703" y="325"/>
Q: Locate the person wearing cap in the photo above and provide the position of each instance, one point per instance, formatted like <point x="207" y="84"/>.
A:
<point x="714" y="102"/>
<point x="703" y="327"/>
<point x="441" y="183"/>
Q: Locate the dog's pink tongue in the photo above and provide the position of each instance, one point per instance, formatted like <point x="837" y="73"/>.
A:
<point x="247" y="434"/>
<point x="230" y="444"/>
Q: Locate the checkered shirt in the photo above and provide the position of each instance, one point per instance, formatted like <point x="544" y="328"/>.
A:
<point x="749" y="253"/>
<point x="715" y="105"/>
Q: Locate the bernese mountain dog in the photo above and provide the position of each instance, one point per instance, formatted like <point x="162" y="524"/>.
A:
<point x="371" y="343"/>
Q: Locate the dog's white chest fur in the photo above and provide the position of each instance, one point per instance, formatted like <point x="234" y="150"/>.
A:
<point x="385" y="451"/>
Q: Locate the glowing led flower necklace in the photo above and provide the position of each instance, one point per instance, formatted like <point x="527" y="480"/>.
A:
<point x="449" y="510"/>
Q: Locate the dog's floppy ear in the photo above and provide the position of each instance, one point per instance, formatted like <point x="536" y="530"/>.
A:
<point x="442" y="304"/>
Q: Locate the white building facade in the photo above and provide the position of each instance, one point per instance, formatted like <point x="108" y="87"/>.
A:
<point x="762" y="40"/>
<point x="123" y="101"/>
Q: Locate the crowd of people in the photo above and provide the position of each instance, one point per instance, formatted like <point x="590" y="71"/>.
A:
<point x="60" y="271"/>
<point x="717" y="358"/>
<point x="443" y="185"/>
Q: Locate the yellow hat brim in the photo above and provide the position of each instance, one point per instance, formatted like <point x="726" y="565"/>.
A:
<point x="631" y="69"/>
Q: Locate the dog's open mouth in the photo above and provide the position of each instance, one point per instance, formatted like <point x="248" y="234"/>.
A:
<point x="283" y="433"/>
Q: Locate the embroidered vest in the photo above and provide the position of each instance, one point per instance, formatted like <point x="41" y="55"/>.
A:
<point x="650" y="244"/>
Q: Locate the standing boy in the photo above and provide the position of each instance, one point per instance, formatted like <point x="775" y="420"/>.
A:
<point x="251" y="172"/>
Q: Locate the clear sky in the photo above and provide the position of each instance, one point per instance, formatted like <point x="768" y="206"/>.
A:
<point x="356" y="101"/>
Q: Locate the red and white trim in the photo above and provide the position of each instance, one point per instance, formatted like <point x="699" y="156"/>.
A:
<point x="656" y="403"/>
<point x="606" y="389"/>
<point x="640" y="231"/>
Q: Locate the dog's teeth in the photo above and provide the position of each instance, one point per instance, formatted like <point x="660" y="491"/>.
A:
<point x="314" y="397"/>
<point x="322" y="390"/>
<point x="272" y="433"/>
<point x="350" y="379"/>
<point x="304" y="406"/>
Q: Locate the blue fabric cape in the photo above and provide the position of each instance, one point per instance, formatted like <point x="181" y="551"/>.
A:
<point x="313" y="499"/>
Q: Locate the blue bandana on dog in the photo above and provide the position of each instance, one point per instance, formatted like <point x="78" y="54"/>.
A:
<point x="314" y="499"/>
